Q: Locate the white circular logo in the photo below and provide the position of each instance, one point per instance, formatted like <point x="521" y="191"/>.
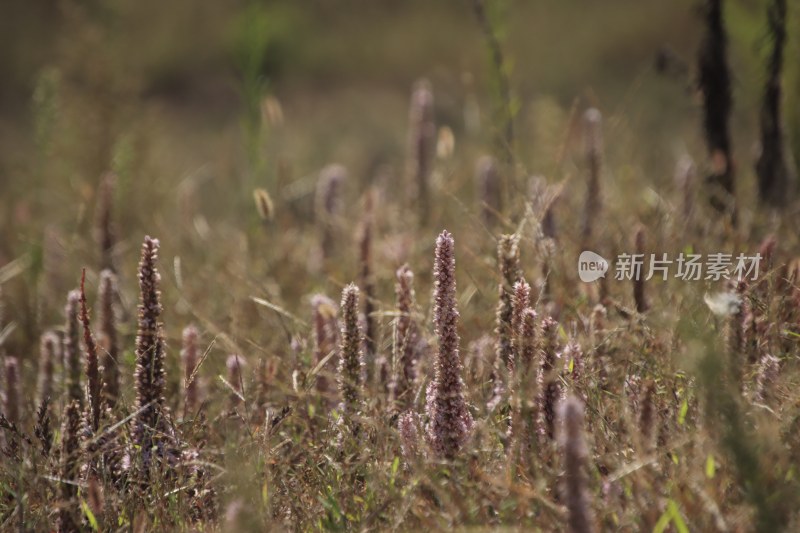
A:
<point x="591" y="266"/>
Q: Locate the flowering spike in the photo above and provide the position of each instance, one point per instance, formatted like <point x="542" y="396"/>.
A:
<point x="92" y="364"/>
<point x="599" y="359"/>
<point x="450" y="421"/>
<point x="404" y="350"/>
<point x="109" y="352"/>
<point x="768" y="371"/>
<point x="72" y="354"/>
<point x="409" y="435"/>
<point x="521" y="433"/>
<point x="329" y="204"/>
<point x="234" y="365"/>
<point x="351" y="357"/>
<point x="421" y="144"/>
<point x="647" y="413"/>
<point x="106" y="238"/>
<point x="191" y="395"/>
<point x="508" y="263"/>
<point x="487" y="188"/>
<point x="575" y="367"/>
<point x="576" y="495"/>
<point x="376" y="370"/>
<point x="527" y="340"/>
<point x="326" y="335"/>
<point x="593" y="141"/>
<point x="11" y="407"/>
<point x="549" y="384"/>
<point x="519" y="303"/>
<point x="49" y="353"/>
<point x="70" y="467"/>
<point x="149" y="375"/>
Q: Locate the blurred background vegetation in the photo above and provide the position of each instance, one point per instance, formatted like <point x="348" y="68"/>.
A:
<point x="203" y="67"/>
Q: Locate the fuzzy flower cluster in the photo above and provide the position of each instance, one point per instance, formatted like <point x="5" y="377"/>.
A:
<point x="519" y="303"/>
<point x="149" y="375"/>
<point x="450" y="422"/>
<point x="406" y="338"/>
<point x="351" y="356"/>
<point x="508" y="263"/>
<point x="72" y="349"/>
<point x="94" y="384"/>
<point x="108" y="340"/>
<point x="49" y="354"/>
<point x="549" y="384"/>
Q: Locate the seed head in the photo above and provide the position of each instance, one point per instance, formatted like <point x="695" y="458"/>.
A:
<point x="264" y="205"/>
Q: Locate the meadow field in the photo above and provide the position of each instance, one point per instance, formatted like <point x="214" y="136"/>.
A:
<point x="400" y="265"/>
